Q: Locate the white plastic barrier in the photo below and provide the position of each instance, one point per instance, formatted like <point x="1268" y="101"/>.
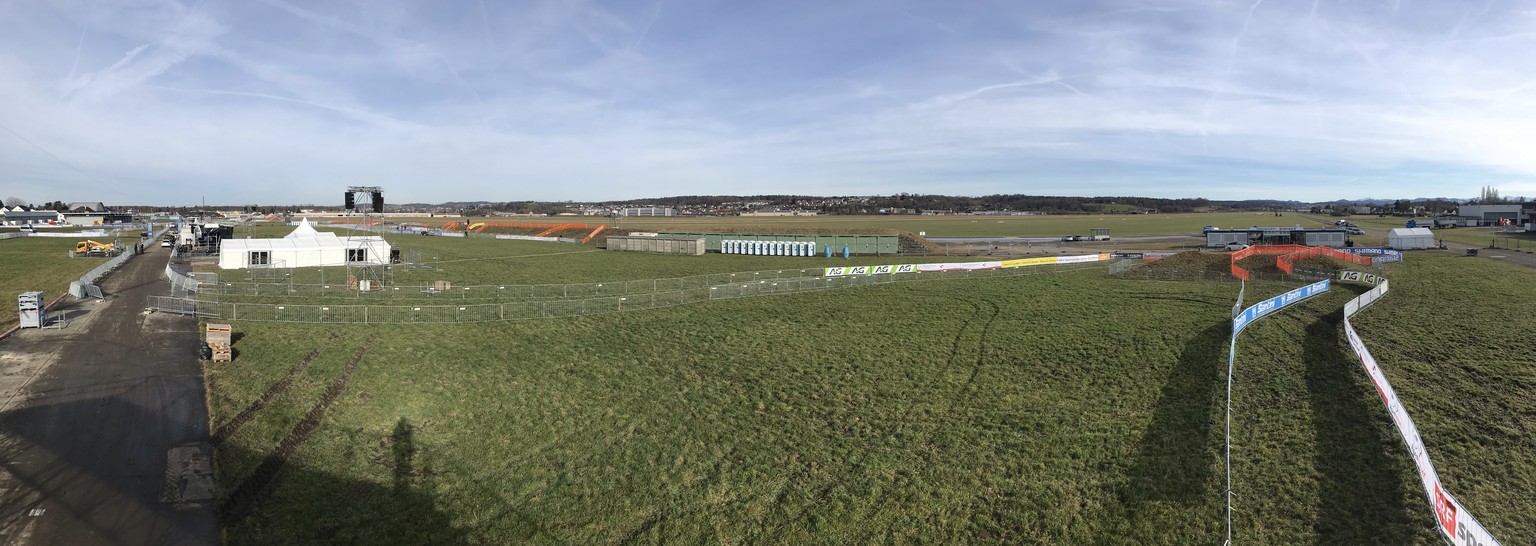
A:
<point x="1456" y="524"/>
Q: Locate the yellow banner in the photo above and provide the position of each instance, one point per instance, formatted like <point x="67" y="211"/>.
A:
<point x="1029" y="261"/>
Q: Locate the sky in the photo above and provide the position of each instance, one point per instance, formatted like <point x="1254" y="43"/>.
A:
<point x="289" y="101"/>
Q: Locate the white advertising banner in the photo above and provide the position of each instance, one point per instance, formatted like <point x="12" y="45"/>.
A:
<point x="961" y="266"/>
<point x="1455" y="523"/>
<point x="1081" y="259"/>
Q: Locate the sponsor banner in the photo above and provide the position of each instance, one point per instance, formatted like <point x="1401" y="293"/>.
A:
<point x="1360" y="277"/>
<point x="1029" y="261"/>
<point x="1129" y="255"/>
<point x="644" y="234"/>
<point x="960" y="266"/>
<point x="1454" y="522"/>
<point x="1275" y="304"/>
<point x="1382" y="254"/>
<point x="525" y="237"/>
<point x="1081" y="259"/>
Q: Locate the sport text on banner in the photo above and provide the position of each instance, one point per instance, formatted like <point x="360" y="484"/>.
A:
<point x="1275" y="304"/>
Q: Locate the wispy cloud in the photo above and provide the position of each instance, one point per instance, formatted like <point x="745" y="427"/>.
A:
<point x="281" y="101"/>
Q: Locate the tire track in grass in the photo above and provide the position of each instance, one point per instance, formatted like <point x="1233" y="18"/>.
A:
<point x="260" y="482"/>
<point x="981" y="352"/>
<point x="277" y="388"/>
<point x="949" y="362"/>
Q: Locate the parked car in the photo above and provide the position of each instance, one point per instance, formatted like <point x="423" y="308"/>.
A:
<point x="1235" y="246"/>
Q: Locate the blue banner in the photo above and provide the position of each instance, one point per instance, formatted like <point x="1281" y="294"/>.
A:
<point x="1386" y="254"/>
<point x="1275" y="304"/>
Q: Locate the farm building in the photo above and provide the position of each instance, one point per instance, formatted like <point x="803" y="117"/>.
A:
<point x="1276" y="236"/>
<point x="304" y="247"/>
<point x="649" y="211"/>
<point x="1410" y="238"/>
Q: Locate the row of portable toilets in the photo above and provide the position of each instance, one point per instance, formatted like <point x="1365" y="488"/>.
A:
<point x="769" y="248"/>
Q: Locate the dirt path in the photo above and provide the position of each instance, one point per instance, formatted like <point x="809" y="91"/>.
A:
<point x="103" y="432"/>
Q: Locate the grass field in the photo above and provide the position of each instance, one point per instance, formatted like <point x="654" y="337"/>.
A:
<point x="1051" y="409"/>
<point x="38" y="263"/>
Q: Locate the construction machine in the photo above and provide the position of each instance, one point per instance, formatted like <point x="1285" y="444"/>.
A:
<point x="89" y="246"/>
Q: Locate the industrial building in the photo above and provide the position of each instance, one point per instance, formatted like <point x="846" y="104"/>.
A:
<point x="1218" y="238"/>
<point x="1487" y="215"/>
<point x="19" y="217"/>
<point x="649" y="211"/>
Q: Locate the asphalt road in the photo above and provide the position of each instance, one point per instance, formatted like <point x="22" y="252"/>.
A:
<point x="104" y="426"/>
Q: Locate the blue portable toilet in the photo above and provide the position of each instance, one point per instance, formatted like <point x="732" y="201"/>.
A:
<point x="829" y="251"/>
<point x="845" y="252"/>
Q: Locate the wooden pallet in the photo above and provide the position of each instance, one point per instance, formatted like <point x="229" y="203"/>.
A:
<point x="219" y="334"/>
<point x="221" y="352"/>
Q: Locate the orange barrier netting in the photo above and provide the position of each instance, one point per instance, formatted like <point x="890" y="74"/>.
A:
<point x="1287" y="262"/>
<point x="1260" y="249"/>
<point x="594" y="233"/>
<point x="558" y="227"/>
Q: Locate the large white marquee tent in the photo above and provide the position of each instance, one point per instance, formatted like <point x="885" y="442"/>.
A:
<point x="304" y="247"/>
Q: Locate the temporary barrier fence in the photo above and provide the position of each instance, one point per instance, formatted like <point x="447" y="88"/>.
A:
<point x="1286" y="262"/>
<point x="742" y="285"/>
<point x="495" y="292"/>
<point x="1455" y="524"/>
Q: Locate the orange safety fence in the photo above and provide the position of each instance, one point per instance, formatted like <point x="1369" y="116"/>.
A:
<point x="1287" y="262"/>
<point x="559" y="227"/>
<point x="1260" y="249"/>
<point x="594" y="233"/>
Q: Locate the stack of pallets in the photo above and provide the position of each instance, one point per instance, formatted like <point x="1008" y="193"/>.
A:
<point x="218" y="341"/>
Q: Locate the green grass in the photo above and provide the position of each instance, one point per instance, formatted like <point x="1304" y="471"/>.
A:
<point x="38" y="263"/>
<point x="1061" y="408"/>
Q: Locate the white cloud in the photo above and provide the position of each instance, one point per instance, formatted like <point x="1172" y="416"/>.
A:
<point x="285" y="102"/>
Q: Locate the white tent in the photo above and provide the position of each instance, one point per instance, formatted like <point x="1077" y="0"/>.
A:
<point x="1410" y="238"/>
<point x="304" y="247"/>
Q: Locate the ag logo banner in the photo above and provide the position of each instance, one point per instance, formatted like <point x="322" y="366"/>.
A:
<point x="881" y="269"/>
<point x="836" y="271"/>
<point x="906" y="268"/>
<point x="859" y="270"/>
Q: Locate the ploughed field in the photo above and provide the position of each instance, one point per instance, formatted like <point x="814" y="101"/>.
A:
<point x="1063" y="407"/>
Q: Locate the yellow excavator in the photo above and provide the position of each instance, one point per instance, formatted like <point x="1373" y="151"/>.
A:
<point x="88" y="246"/>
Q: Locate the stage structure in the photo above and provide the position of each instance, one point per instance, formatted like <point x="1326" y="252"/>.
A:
<point x="374" y="192"/>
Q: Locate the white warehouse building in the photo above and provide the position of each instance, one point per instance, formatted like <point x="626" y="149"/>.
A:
<point x="304" y="247"/>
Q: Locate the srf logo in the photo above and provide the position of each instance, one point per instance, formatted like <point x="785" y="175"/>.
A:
<point x="1445" y="512"/>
